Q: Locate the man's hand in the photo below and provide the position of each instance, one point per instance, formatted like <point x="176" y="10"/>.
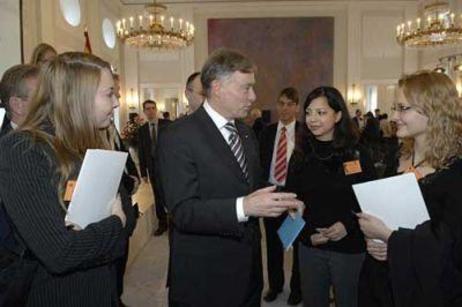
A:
<point x="336" y="232"/>
<point x="378" y="250"/>
<point x="267" y="203"/>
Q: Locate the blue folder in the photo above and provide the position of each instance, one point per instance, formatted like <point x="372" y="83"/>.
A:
<point x="290" y="229"/>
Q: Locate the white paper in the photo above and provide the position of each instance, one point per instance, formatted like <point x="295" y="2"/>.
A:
<point x="397" y="200"/>
<point x="2" y="117"/>
<point x="96" y="187"/>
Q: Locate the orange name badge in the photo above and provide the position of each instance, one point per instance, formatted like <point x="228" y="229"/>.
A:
<point x="352" y="167"/>
<point x="70" y="186"/>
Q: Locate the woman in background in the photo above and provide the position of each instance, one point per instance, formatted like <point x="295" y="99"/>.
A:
<point x="422" y="266"/>
<point x="43" y="53"/>
<point x="71" y="108"/>
<point x="321" y="173"/>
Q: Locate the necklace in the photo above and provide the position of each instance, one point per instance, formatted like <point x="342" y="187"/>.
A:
<point x="318" y="156"/>
<point x="413" y="167"/>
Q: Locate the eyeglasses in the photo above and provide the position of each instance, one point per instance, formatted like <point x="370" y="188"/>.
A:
<point x="400" y="108"/>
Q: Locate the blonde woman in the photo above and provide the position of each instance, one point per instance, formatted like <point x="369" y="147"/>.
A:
<point x="43" y="53"/>
<point x="422" y="266"/>
<point x="73" y="103"/>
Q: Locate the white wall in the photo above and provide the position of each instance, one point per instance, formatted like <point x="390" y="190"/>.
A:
<point x="44" y="22"/>
<point x="10" y="44"/>
<point x="365" y="50"/>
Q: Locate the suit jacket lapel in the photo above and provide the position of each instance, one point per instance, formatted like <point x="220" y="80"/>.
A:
<point x="218" y="143"/>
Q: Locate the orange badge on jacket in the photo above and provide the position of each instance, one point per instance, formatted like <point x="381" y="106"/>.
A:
<point x="352" y="167"/>
<point x="70" y="186"/>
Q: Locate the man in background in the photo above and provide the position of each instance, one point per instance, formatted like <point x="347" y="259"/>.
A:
<point x="277" y="143"/>
<point x="193" y="91"/>
<point x="148" y="136"/>
<point x="16" y="89"/>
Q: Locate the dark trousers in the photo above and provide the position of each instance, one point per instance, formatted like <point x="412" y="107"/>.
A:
<point x="322" y="268"/>
<point x="158" y="199"/>
<point x="275" y="257"/>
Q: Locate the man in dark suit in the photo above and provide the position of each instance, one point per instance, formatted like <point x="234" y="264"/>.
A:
<point x="277" y="143"/>
<point x="148" y="136"/>
<point x="193" y="91"/>
<point x="210" y="172"/>
<point x="358" y="120"/>
<point x="16" y="89"/>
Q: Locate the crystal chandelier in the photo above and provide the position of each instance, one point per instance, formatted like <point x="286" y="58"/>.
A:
<point x="153" y="30"/>
<point x="437" y="27"/>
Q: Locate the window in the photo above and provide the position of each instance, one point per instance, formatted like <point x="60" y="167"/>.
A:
<point x="71" y="11"/>
<point x="371" y="98"/>
<point x="108" y="33"/>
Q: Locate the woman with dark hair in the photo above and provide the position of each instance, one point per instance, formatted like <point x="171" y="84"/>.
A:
<point x="321" y="172"/>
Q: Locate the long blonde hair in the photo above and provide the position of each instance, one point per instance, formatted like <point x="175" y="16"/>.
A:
<point x="65" y="99"/>
<point x="436" y="95"/>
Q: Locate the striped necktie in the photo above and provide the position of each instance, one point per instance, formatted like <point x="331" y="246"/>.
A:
<point x="280" y="167"/>
<point x="235" y="144"/>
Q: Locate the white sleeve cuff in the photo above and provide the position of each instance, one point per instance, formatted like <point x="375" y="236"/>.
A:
<point x="240" y="210"/>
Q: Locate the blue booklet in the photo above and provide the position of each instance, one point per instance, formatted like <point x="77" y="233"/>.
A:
<point x="290" y="229"/>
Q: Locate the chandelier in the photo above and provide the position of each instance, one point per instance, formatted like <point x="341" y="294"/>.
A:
<point x="451" y="65"/>
<point x="153" y="30"/>
<point x="437" y="27"/>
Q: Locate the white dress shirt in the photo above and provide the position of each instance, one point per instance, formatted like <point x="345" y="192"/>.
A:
<point x="220" y="122"/>
<point x="13" y="125"/>
<point x="290" y="135"/>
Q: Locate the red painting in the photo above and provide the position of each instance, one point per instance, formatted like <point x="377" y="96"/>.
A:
<point x="296" y="52"/>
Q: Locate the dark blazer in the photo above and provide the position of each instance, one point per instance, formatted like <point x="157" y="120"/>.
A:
<point x="75" y="267"/>
<point x="6" y="128"/>
<point x="147" y="162"/>
<point x="215" y="260"/>
<point x="267" y="139"/>
<point x="130" y="167"/>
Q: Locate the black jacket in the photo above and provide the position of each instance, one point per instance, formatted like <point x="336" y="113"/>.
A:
<point x="215" y="260"/>
<point x="147" y="161"/>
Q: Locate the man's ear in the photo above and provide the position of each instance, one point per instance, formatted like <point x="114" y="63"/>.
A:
<point x="215" y="88"/>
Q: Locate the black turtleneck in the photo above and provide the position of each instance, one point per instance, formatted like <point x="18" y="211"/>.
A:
<point x="317" y="176"/>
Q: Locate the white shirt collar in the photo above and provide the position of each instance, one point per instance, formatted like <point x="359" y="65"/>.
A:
<point x="289" y="127"/>
<point x="13" y="125"/>
<point x="219" y="120"/>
